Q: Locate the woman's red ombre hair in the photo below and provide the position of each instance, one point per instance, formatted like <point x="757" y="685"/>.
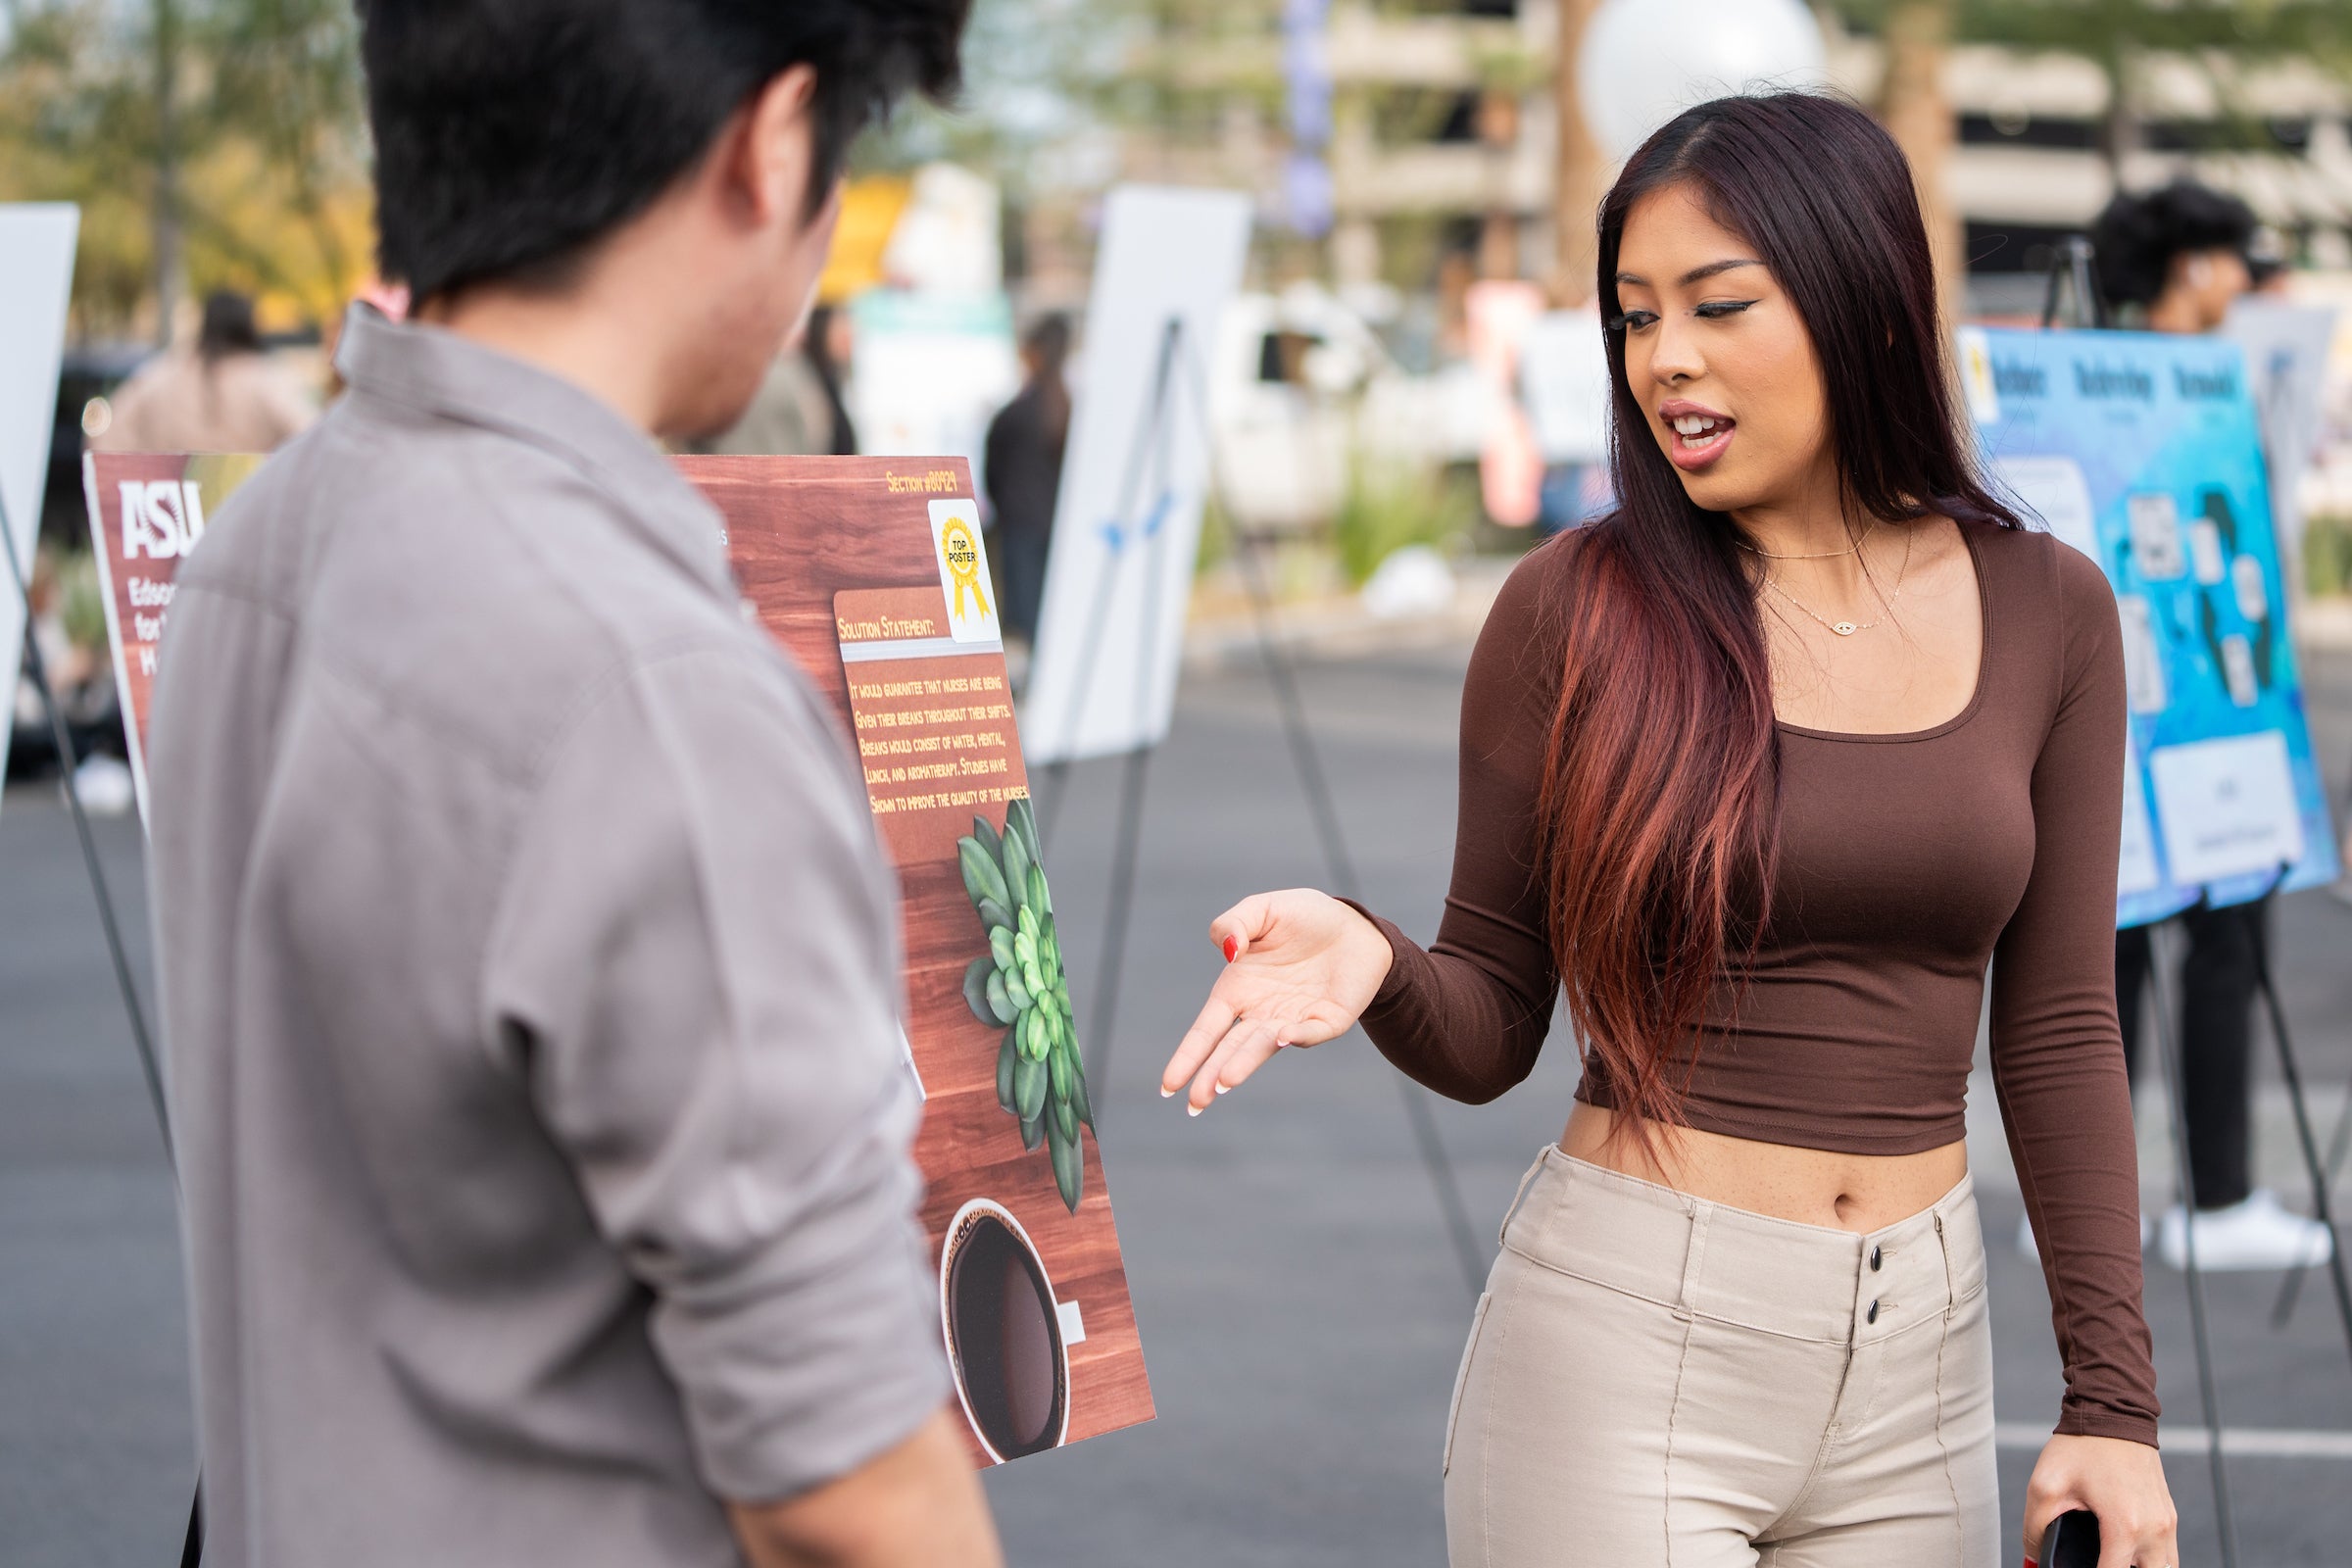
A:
<point x="1660" y="797"/>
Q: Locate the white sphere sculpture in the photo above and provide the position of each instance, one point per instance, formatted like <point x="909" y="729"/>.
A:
<point x="1643" y="61"/>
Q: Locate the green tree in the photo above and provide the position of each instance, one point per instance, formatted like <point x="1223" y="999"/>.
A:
<point x="2225" y="37"/>
<point x="208" y="142"/>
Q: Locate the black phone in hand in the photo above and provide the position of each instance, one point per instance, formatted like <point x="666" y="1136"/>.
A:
<point x="2072" y="1541"/>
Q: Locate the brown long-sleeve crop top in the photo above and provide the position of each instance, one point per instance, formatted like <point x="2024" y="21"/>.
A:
<point x="1906" y="863"/>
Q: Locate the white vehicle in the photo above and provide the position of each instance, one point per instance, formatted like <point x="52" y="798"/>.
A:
<point x="1301" y="385"/>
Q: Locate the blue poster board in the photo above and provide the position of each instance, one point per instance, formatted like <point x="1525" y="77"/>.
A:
<point x="2142" y="449"/>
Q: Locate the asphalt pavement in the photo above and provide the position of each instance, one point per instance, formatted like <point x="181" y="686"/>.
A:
<point x="1301" y="1309"/>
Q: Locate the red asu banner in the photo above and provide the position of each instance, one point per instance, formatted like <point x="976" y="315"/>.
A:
<point x="147" y="511"/>
<point x="869" y="571"/>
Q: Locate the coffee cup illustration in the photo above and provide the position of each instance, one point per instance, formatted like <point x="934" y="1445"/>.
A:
<point x="1005" y="1333"/>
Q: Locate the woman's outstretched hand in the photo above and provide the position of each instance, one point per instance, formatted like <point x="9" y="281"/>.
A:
<point x="1299" y="967"/>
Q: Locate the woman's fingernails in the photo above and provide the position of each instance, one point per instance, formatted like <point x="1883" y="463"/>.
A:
<point x="1224" y="1088"/>
<point x="1233" y="949"/>
<point x="1167" y="1093"/>
<point x="1192" y="1110"/>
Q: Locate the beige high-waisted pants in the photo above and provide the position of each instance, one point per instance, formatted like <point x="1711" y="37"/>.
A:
<point x="1653" y="1378"/>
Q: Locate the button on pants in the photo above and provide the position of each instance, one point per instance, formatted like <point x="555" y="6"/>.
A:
<point x="1655" y="1379"/>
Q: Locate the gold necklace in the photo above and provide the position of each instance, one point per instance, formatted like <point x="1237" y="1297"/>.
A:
<point x="1824" y="554"/>
<point x="1846" y="628"/>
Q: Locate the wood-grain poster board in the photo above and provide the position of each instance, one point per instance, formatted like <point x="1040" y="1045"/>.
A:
<point x="867" y="571"/>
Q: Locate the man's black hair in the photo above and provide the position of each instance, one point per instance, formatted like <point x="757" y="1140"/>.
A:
<point x="2136" y="238"/>
<point x="513" y="134"/>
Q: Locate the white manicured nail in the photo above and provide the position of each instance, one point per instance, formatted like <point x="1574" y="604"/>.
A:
<point x="1167" y="1093"/>
<point x="1224" y="1088"/>
<point x="1192" y="1110"/>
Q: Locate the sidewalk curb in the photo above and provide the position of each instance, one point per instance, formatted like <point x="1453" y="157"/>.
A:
<point x="1339" y="627"/>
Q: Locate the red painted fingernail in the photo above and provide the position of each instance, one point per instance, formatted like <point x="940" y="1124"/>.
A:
<point x="1233" y="949"/>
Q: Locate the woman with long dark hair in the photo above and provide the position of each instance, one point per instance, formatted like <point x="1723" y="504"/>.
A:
<point x="1764" y="768"/>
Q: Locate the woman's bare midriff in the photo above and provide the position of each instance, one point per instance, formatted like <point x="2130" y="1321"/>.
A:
<point x="1811" y="1186"/>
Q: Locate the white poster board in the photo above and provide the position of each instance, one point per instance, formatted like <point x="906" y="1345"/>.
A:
<point x="1127" y="521"/>
<point x="1564" y="375"/>
<point x="36" y="277"/>
<point x="929" y="371"/>
<point x="2228" y="806"/>
<point x="2286" y="370"/>
<point x="2052" y="490"/>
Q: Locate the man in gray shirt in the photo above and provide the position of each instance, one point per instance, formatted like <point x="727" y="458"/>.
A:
<point x="529" y="964"/>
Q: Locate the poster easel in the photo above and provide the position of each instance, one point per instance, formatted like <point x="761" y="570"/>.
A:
<point x="2071" y="265"/>
<point x="36" y="669"/>
<point x="2071" y="268"/>
<point x="2324" y="1172"/>
<point x="1150" y="454"/>
<point x="2185" y="716"/>
<point x="850" y="562"/>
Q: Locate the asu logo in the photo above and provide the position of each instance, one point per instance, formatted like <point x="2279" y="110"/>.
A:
<point x="963" y="571"/>
<point x="161" y="518"/>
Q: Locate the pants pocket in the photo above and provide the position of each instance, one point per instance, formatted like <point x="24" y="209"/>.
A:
<point x="1462" y="1379"/>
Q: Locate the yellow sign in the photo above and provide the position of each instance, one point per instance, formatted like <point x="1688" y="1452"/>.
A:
<point x="963" y="570"/>
<point x="962" y="555"/>
<point x="869" y="214"/>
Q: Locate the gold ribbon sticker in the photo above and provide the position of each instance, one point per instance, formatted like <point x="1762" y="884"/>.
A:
<point x="962" y="552"/>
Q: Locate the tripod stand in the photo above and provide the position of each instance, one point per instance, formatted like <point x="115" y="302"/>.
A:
<point x="2071" y="269"/>
<point x="1139" y="533"/>
<point x="2322" y="1172"/>
<point x="36" y="669"/>
<point x="2170" y="1058"/>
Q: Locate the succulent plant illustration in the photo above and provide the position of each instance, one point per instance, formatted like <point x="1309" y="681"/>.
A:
<point x="1018" y="986"/>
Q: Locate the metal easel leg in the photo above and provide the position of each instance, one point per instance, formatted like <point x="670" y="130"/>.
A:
<point x="191" y="1550"/>
<point x="1112" y="962"/>
<point x="2168" y="1048"/>
<point x="1426" y="1140"/>
<point x="69" y="760"/>
<point x="2321" y="1170"/>
<point x="2339" y="1146"/>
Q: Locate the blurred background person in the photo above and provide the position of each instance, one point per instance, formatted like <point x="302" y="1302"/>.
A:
<point x="73" y="660"/>
<point x="67" y="626"/>
<point x="1023" y="471"/>
<point x="219" y="394"/>
<point x="788" y="416"/>
<point x="830" y="346"/>
<point x="2176" y="258"/>
<point x="2173" y="260"/>
<point x="798" y="411"/>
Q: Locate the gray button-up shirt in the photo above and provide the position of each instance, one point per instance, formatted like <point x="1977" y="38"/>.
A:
<point x="529" y="983"/>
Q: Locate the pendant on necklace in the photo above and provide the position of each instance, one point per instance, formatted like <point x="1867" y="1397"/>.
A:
<point x="1844" y="628"/>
